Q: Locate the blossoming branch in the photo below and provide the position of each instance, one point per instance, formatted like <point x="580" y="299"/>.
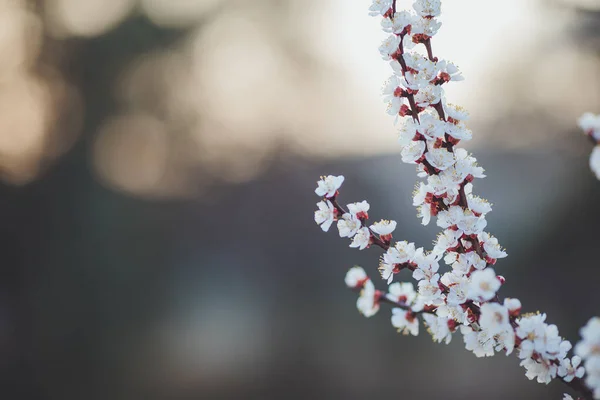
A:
<point x="465" y="297"/>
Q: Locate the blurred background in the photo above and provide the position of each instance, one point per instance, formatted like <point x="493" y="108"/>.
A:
<point x="157" y="164"/>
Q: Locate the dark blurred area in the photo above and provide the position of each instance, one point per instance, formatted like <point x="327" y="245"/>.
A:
<point x="158" y="160"/>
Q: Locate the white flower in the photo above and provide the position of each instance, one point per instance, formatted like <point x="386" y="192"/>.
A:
<point x="401" y="20"/>
<point x="494" y="318"/>
<point x="360" y="210"/>
<point x="446" y="240"/>
<point x="426" y="26"/>
<point x="348" y="225"/>
<point x="570" y="369"/>
<point x="430" y="126"/>
<point x="368" y="302"/>
<point x="505" y="340"/>
<point x="325" y="215"/>
<point x="478" y="205"/>
<point x="543" y="370"/>
<point x="539" y="337"/>
<point x="567" y="397"/>
<point x="355" y="277"/>
<point x="424" y="212"/>
<point x="380" y="7"/>
<point x="427" y="265"/>
<point x="484" y="285"/>
<point x="413" y="151"/>
<point x="400" y="253"/>
<point x="384" y="227"/>
<point x="389" y="47"/>
<point x="459" y="131"/>
<point x="405" y="321"/>
<point x="402" y="292"/>
<point x="407" y="131"/>
<point x="465" y="261"/>
<point x="328" y="186"/>
<point x="472" y="224"/>
<point x="428" y="8"/>
<point x="589" y="346"/>
<point x="429" y="291"/>
<point x="491" y="246"/>
<point x="457" y="113"/>
<point x="430" y="94"/>
<point x="450" y="217"/>
<point x="458" y="286"/>
<point x="595" y="161"/>
<point x="438" y="328"/>
<point x="480" y="343"/>
<point x="449" y="72"/>
<point x="361" y="239"/>
<point x="439" y="158"/>
<point x="590" y="124"/>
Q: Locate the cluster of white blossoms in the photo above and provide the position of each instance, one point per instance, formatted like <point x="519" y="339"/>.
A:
<point x="590" y="124"/>
<point x="464" y="295"/>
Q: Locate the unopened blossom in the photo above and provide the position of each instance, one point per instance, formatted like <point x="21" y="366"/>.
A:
<point x="328" y="186"/>
<point x="428" y="8"/>
<point x="513" y="306"/>
<point x="348" y="225"/>
<point x="368" y="302"/>
<point x="484" y="285"/>
<point x="494" y="318"/>
<point x="413" y="151"/>
<point x="380" y="7"/>
<point x="438" y="328"/>
<point x="362" y="238"/>
<point x="480" y="343"/>
<point x="325" y="215"/>
<point x="569" y="369"/>
<point x="384" y="227"/>
<point x="405" y="321"/>
<point x="356" y="277"/>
